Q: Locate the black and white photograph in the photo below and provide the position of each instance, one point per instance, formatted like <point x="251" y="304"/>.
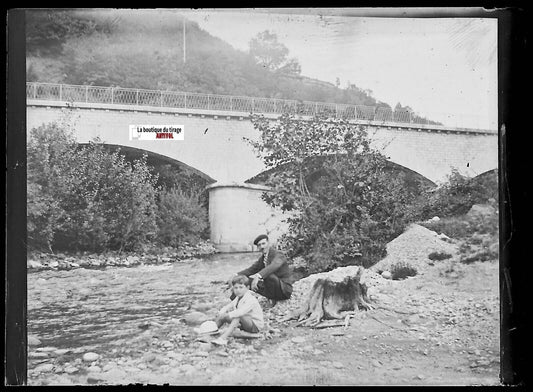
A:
<point x="262" y="196"/>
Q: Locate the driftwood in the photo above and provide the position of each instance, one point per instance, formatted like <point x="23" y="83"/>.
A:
<point x="333" y="300"/>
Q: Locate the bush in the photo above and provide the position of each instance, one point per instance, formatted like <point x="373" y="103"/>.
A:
<point x="402" y="270"/>
<point x="439" y="256"/>
<point x="457" y="196"/>
<point x="86" y="198"/>
<point x="181" y="218"/>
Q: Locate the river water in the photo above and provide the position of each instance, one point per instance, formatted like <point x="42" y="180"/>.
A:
<point x="101" y="310"/>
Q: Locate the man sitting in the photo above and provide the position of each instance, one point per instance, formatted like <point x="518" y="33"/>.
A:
<point x="270" y="274"/>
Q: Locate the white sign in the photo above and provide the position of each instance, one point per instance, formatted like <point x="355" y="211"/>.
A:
<point x="157" y="132"/>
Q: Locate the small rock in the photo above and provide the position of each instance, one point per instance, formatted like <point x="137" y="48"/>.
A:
<point x="376" y="363"/>
<point x="94" y="369"/>
<point x="298" y="339"/>
<point x="149" y="357"/>
<point x="44" y="368"/>
<point x="338" y="365"/>
<point x="90" y="357"/>
<point x="420" y="377"/>
<point x="38" y="355"/>
<point x="70" y="369"/>
<point x="318" y="352"/>
<point x="33" y="340"/>
<point x="187" y="368"/>
<point x="386" y="274"/>
<point x="222" y="353"/>
<point x="94" y="378"/>
<point x="46" y="349"/>
<point x="62" y="351"/>
<point x="34" y="264"/>
<point x="109" y="366"/>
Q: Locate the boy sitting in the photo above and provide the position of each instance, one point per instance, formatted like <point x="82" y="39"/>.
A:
<point x="243" y="311"/>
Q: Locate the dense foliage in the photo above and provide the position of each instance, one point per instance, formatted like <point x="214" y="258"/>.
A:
<point x="458" y="194"/>
<point x="91" y="198"/>
<point x="344" y="201"/>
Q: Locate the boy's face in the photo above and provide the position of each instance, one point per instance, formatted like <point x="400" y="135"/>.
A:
<point x="239" y="289"/>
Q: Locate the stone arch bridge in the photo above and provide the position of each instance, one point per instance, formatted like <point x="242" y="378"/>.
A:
<point x="213" y="146"/>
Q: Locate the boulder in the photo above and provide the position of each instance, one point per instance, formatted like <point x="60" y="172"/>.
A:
<point x="44" y="368"/>
<point x="195" y="318"/>
<point x="90" y="357"/>
<point x="34" y="264"/>
<point x="386" y="275"/>
<point x="33" y="341"/>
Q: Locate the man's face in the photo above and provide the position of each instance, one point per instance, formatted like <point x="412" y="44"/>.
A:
<point x="263" y="245"/>
<point x="239" y="289"/>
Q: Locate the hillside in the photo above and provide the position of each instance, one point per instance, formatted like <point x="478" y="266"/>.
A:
<point x="129" y="48"/>
<point x="144" y="49"/>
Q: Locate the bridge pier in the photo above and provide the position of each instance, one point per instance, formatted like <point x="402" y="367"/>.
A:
<point x="237" y="215"/>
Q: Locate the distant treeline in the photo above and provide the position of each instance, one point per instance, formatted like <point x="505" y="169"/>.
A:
<point x="144" y="49"/>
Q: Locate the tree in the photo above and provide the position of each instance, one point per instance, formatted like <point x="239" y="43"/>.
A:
<point x="345" y="201"/>
<point x="271" y="54"/>
<point x="46" y="31"/>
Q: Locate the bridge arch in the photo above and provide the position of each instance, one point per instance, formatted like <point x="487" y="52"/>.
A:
<point x="412" y="177"/>
<point x="155" y="159"/>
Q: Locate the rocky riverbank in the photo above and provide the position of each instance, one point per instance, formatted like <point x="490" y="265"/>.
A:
<point x="38" y="261"/>
<point x="135" y="325"/>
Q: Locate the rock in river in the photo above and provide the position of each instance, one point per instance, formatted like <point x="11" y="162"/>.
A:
<point x="90" y="357"/>
<point x="45" y="367"/>
<point x="33" y="341"/>
<point x="194" y="318"/>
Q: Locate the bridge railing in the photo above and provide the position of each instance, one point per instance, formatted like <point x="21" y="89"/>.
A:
<point x="185" y="100"/>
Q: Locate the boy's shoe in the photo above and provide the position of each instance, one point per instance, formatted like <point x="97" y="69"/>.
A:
<point x="220" y="341"/>
<point x="270" y="303"/>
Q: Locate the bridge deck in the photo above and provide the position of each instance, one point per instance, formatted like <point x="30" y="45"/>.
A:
<point x="115" y="98"/>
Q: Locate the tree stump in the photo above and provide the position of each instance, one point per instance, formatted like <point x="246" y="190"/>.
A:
<point x="330" y="299"/>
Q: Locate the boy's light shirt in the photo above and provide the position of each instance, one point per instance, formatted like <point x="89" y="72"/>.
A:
<point x="249" y="305"/>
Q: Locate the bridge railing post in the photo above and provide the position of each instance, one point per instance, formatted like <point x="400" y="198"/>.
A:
<point x="208" y="101"/>
<point x="34" y="90"/>
<point x="185" y="100"/>
<point x="86" y="94"/>
<point x="253" y="105"/>
<point x="161" y="98"/>
<point x="112" y="95"/>
<point x="137" y="97"/>
<point x="60" y="92"/>
<point x="336" y="111"/>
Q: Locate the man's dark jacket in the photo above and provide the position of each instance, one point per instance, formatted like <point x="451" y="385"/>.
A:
<point x="277" y="265"/>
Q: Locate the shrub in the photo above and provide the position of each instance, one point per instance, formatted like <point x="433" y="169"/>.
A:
<point x="402" y="270"/>
<point x="439" y="256"/>
<point x="86" y="198"/>
<point x="457" y="195"/>
<point x="181" y="218"/>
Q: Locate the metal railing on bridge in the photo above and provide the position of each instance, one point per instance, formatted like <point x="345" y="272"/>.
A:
<point x="186" y="100"/>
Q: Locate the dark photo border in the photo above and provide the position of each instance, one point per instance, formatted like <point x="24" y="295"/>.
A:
<point x="514" y="73"/>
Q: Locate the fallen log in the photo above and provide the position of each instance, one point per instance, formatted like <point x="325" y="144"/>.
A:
<point x="329" y="299"/>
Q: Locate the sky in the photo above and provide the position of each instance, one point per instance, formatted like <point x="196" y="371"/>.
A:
<point x="443" y="68"/>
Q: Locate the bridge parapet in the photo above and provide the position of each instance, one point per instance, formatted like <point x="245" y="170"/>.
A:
<point x="372" y="115"/>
